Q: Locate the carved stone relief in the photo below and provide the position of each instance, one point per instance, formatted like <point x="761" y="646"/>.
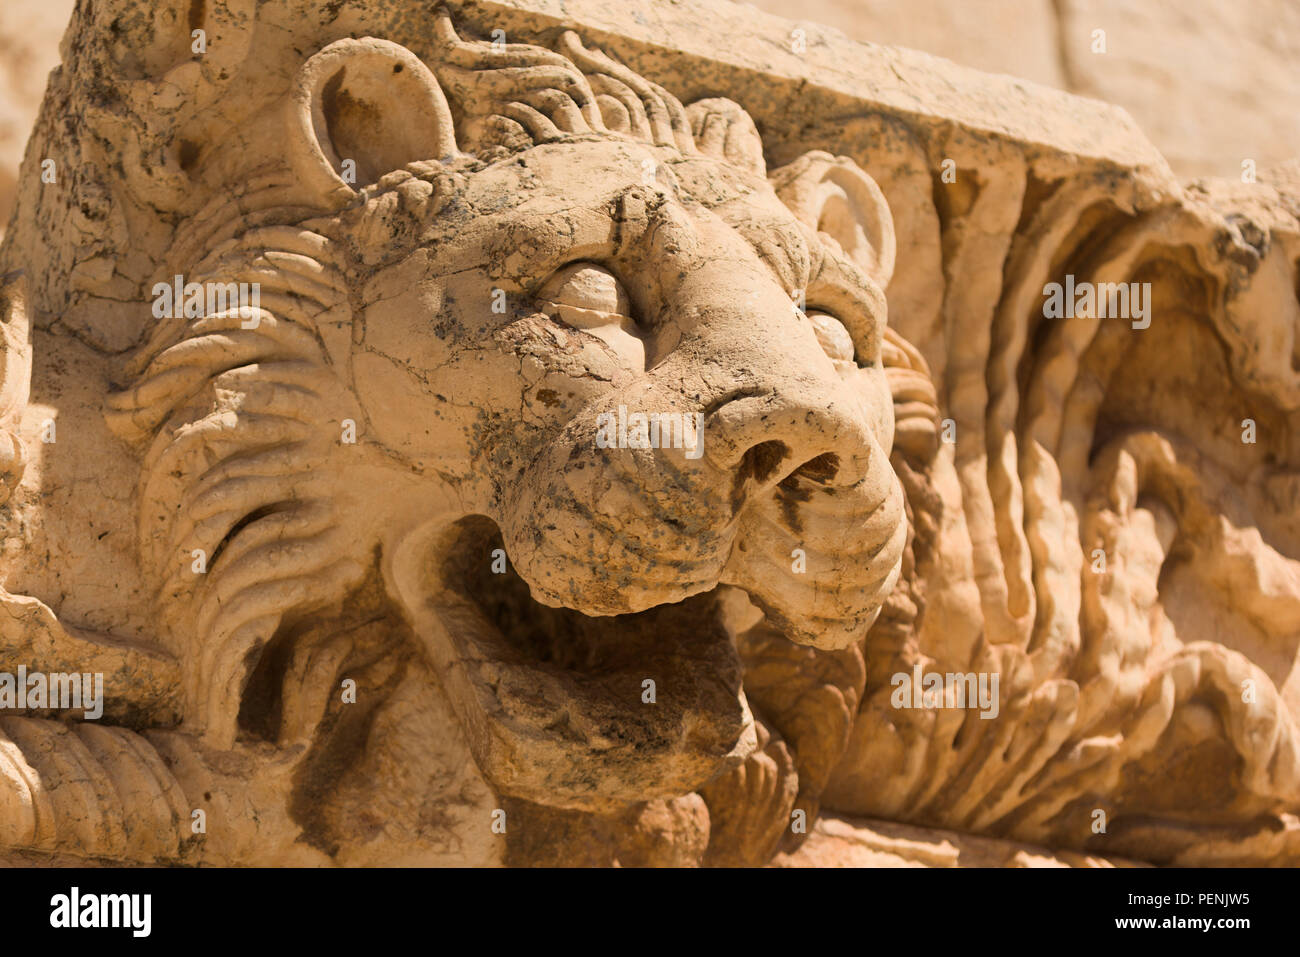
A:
<point x="491" y="434"/>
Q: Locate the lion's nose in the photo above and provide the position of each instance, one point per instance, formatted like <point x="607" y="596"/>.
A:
<point x="767" y="438"/>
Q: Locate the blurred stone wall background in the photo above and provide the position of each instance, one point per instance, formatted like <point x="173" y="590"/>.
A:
<point x="30" y="31"/>
<point x="1212" y="82"/>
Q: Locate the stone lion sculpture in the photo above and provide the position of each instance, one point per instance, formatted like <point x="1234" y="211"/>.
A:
<point x="544" y="504"/>
<point x="326" y="478"/>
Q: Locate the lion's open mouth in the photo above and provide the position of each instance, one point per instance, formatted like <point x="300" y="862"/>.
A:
<point x="572" y="710"/>
<point x="570" y="700"/>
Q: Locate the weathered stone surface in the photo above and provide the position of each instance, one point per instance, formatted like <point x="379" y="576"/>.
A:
<point x="331" y="347"/>
<point x="1210" y="82"/>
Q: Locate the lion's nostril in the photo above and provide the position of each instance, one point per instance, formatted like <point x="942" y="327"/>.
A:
<point x="762" y="461"/>
<point x="820" y="469"/>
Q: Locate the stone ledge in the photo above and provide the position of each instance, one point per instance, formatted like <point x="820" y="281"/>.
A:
<point x="838" y="841"/>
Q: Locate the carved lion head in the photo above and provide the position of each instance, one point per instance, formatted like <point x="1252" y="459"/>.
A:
<point x="548" y="379"/>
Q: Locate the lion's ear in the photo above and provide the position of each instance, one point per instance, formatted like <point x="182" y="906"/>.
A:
<point x="361" y="108"/>
<point x="834" y="196"/>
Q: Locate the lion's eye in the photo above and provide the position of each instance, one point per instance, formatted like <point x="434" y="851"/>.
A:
<point x="586" y="296"/>
<point x="832" y="335"/>
<point x="590" y="297"/>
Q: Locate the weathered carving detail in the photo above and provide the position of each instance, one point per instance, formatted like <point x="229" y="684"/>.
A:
<point x="380" y="583"/>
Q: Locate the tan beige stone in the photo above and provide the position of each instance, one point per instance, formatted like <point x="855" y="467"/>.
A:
<point x="341" y="355"/>
<point x="29" y="49"/>
<point x="1209" y="81"/>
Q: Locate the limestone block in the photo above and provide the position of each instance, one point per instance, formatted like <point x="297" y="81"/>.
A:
<point x="549" y="432"/>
